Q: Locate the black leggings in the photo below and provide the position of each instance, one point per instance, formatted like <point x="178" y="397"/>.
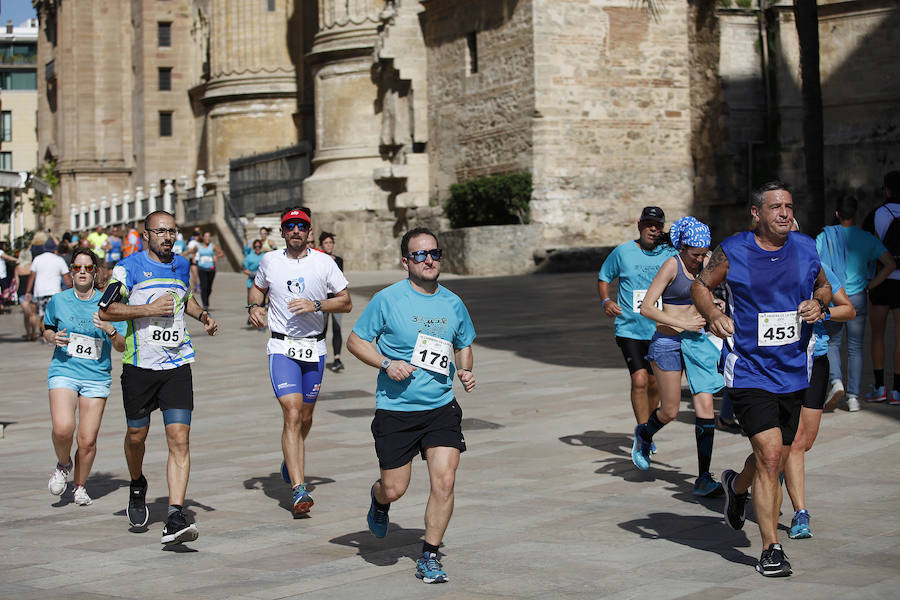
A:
<point x="336" y="340"/>
<point x="206" y="277"/>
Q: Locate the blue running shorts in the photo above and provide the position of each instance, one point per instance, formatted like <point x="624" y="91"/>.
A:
<point x="665" y="351"/>
<point x="290" y="376"/>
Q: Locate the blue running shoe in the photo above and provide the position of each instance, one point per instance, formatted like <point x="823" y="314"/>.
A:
<point x="800" y="526"/>
<point x="284" y="473"/>
<point x="640" y="451"/>
<point x="302" y="500"/>
<point x="652" y="448"/>
<point x="377" y="519"/>
<point x="430" y="570"/>
<point x="707" y="487"/>
<point x="735" y="504"/>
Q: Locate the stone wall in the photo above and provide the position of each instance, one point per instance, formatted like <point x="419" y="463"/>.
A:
<point x="490" y="250"/>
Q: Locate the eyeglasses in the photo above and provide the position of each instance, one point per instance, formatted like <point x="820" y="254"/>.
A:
<point x="85" y="268"/>
<point x="419" y="255"/>
<point x="289" y="226"/>
<point x="163" y="231"/>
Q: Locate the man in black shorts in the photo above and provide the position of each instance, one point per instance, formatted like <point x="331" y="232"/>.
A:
<point x="151" y="290"/>
<point x="419" y="334"/>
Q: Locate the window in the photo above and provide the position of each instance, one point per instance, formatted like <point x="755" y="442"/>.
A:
<point x="6" y="126"/>
<point x="164" y="35"/>
<point x="6" y="161"/>
<point x="18" y="80"/>
<point x="271" y="5"/>
<point x="472" y="56"/>
<point x="165" y="124"/>
<point x="165" y="79"/>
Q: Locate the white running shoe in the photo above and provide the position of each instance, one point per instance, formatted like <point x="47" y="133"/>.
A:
<point x="57" y="483"/>
<point x="835" y="394"/>
<point x="81" y="496"/>
<point x="852" y="403"/>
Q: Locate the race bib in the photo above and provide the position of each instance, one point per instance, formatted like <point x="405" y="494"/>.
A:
<point x="114" y="256"/>
<point x="205" y="261"/>
<point x="432" y="353"/>
<point x="637" y="299"/>
<point x="302" y="349"/>
<point x="84" y="346"/>
<point x="166" y="331"/>
<point x="778" y="328"/>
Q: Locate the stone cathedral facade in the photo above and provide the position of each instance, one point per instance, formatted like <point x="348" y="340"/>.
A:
<point x="610" y="106"/>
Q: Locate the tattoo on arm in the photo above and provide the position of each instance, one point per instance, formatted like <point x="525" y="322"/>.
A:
<point x="718" y="260"/>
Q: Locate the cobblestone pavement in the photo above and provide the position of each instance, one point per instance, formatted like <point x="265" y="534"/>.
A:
<point x="548" y="504"/>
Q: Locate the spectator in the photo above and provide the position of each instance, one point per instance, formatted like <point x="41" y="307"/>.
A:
<point x="48" y="272"/>
<point x="29" y="310"/>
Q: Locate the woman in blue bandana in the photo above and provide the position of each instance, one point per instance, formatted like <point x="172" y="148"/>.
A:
<point x="680" y="343"/>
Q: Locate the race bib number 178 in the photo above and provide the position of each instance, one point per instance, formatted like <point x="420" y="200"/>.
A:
<point x="432" y="353"/>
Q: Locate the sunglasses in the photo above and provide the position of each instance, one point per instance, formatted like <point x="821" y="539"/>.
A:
<point x="419" y="255"/>
<point x="290" y="225"/>
<point x="85" y="268"/>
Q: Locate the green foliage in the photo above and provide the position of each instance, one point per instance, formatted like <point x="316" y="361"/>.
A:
<point x="45" y="205"/>
<point x="495" y="200"/>
<point x="725" y="3"/>
<point x="745" y="3"/>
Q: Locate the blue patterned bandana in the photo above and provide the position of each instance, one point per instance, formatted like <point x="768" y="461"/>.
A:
<point x="688" y="231"/>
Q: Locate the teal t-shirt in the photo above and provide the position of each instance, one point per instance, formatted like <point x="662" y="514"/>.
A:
<point x="862" y="248"/>
<point x="66" y="311"/>
<point x="635" y="268"/>
<point x="821" y="347"/>
<point x="394" y="317"/>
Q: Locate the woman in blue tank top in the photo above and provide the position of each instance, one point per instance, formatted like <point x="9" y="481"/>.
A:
<point x="207" y="255"/>
<point x="680" y="344"/>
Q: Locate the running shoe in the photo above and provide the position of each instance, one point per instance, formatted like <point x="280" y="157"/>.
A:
<point x="377" y="519"/>
<point x="729" y="426"/>
<point x="302" y="500"/>
<point x="59" y="480"/>
<point x="835" y="395"/>
<point x="81" y="496"/>
<point x="852" y="403"/>
<point x="707" y="487"/>
<point x="178" y="531"/>
<point x="735" y="503"/>
<point x="640" y="451"/>
<point x="895" y="398"/>
<point x="652" y="448"/>
<point x="284" y="473"/>
<point x="800" y="526"/>
<point x="773" y="562"/>
<point x="137" y="511"/>
<point x="337" y="365"/>
<point x="878" y="394"/>
<point x="430" y="570"/>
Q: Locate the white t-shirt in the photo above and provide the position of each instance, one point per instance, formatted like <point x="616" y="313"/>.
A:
<point x="313" y="277"/>
<point x="48" y="268"/>
<point x="192" y="245"/>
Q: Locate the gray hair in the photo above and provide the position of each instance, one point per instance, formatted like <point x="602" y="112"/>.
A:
<point x="758" y="196"/>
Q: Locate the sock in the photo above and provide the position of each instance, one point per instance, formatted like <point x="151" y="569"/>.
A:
<point x="879" y="377"/>
<point x="173" y="508"/>
<point x="705" y="430"/>
<point x="380" y="506"/>
<point x="66" y="467"/>
<point x="897" y="381"/>
<point x="426" y="547"/>
<point x="653" y="425"/>
<point x="140" y="481"/>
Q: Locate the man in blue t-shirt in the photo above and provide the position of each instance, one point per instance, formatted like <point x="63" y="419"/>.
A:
<point x="419" y="334"/>
<point x="635" y="264"/>
<point x="778" y="290"/>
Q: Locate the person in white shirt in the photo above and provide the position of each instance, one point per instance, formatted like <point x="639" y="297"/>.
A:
<point x="48" y="272"/>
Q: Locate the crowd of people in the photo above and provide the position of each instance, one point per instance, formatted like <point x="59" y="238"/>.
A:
<point x="759" y="318"/>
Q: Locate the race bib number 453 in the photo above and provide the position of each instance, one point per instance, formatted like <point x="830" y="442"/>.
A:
<point x="778" y="328"/>
<point x="432" y="353"/>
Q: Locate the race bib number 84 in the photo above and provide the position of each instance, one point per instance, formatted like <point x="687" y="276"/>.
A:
<point x="432" y="353"/>
<point x="778" y="328"/>
<point x="84" y="346"/>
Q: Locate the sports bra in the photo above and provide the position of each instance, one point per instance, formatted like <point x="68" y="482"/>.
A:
<point x="679" y="291"/>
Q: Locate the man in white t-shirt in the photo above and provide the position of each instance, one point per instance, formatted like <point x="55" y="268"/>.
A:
<point x="299" y="281"/>
<point x="48" y="271"/>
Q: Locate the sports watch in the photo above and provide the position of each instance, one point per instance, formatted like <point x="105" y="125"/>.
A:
<point x="385" y="364"/>
<point x="318" y="305"/>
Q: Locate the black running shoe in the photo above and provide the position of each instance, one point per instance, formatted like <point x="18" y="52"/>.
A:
<point x="177" y="530"/>
<point x="137" y="512"/>
<point x="734" y="503"/>
<point x="337" y="366"/>
<point x="773" y="562"/>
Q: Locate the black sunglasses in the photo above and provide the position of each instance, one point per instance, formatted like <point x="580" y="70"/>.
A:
<point x="419" y="255"/>
<point x="289" y="226"/>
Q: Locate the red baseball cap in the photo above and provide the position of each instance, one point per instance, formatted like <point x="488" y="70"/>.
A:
<point x="296" y="215"/>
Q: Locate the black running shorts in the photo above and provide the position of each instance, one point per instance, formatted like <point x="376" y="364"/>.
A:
<point x="818" y="384"/>
<point x="399" y="435"/>
<point x="635" y="352"/>
<point x="886" y="294"/>
<point x="760" y="410"/>
<point x="145" y="390"/>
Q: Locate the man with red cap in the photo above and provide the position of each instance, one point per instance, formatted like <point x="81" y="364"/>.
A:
<point x="299" y="281"/>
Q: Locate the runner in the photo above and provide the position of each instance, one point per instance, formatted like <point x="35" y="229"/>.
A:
<point x="132" y="242"/>
<point x="297" y="280"/>
<point x="635" y="263"/>
<point x="48" y="272"/>
<point x="680" y="344"/>
<point x="778" y="288"/>
<point x="156" y="370"/>
<point x="326" y="243"/>
<point x="114" y="254"/>
<point x="419" y="334"/>
<point x="207" y="254"/>
<point x="251" y="264"/>
<point x="79" y="373"/>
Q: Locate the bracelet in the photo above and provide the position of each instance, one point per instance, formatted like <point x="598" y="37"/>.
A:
<point x="252" y="306"/>
<point x="113" y="334"/>
<point x="200" y="316"/>
<point x="605" y="300"/>
<point x="466" y="370"/>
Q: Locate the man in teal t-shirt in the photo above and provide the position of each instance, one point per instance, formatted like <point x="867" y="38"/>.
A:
<point x="635" y="264"/>
<point x="419" y="334"/>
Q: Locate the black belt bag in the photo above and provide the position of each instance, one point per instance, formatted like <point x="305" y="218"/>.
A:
<point x="281" y="336"/>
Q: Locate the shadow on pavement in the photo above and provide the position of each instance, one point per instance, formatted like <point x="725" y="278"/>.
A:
<point x="275" y="488"/>
<point x="159" y="509"/>
<point x="701" y="533"/>
<point x="399" y="543"/>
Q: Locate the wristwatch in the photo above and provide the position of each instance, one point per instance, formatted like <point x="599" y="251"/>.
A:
<point x="385" y="364"/>
<point x="318" y="305"/>
<point x="826" y="314"/>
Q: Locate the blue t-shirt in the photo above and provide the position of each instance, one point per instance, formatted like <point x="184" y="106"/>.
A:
<point x="115" y="253"/>
<point x="66" y="311"/>
<point x="770" y="349"/>
<point x="635" y="268"/>
<point x="395" y="316"/>
<point x="862" y="248"/>
<point x="251" y="263"/>
<point x="819" y="332"/>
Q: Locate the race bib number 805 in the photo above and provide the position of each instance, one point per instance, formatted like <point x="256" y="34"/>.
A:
<point x="778" y="328"/>
<point x="432" y="353"/>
